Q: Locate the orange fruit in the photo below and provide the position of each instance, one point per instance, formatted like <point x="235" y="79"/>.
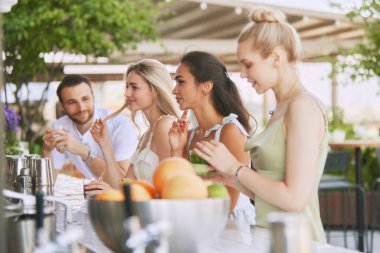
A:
<point x="168" y="169"/>
<point x="110" y="195"/>
<point x="139" y="192"/>
<point x="185" y="187"/>
<point x="149" y="188"/>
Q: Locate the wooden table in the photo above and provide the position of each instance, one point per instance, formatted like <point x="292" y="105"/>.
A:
<point x="358" y="145"/>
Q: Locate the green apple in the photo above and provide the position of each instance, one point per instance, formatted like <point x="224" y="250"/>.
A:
<point x="217" y="190"/>
<point x="194" y="158"/>
<point x="202" y="169"/>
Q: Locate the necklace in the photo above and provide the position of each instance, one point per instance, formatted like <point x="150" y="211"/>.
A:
<point x="278" y="107"/>
<point x="291" y="93"/>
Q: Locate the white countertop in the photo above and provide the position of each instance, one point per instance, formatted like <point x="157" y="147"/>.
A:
<point x="237" y="237"/>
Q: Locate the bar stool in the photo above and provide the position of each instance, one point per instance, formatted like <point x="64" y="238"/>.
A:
<point x="338" y="162"/>
<point x="375" y="199"/>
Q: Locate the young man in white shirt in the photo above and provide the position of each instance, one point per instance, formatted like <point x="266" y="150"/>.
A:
<point x="70" y="137"/>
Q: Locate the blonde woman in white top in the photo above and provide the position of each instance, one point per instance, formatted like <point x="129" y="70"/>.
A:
<point x="148" y="90"/>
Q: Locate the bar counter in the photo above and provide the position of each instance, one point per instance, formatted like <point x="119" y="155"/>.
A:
<point x="236" y="237"/>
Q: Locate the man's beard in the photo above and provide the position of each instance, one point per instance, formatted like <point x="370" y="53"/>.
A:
<point x="82" y="121"/>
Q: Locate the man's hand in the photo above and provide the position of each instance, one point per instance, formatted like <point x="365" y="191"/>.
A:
<point x="63" y="141"/>
<point x="48" y="141"/>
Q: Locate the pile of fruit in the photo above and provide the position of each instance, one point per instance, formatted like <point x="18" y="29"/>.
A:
<point x="174" y="178"/>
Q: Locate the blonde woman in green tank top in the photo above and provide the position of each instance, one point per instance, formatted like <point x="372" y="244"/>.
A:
<point x="289" y="155"/>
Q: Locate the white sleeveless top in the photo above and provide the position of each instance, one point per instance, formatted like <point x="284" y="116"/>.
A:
<point x="244" y="211"/>
<point x="230" y="119"/>
<point x="145" y="161"/>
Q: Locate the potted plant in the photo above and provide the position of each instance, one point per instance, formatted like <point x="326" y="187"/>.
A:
<point x="12" y="143"/>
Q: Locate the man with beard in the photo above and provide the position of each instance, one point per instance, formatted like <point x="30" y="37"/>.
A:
<point x="70" y="138"/>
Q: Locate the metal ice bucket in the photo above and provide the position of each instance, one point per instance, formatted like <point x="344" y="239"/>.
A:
<point x="21" y="228"/>
<point x="40" y="172"/>
<point x="12" y="169"/>
<point x="20" y="221"/>
<point x="196" y="224"/>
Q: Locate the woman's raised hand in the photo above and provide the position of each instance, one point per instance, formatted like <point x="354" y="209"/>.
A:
<point x="178" y="134"/>
<point x="216" y="154"/>
<point x="99" y="132"/>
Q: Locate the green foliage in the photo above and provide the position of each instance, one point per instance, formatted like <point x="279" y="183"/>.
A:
<point x="337" y="123"/>
<point x="370" y="168"/>
<point x="92" y="28"/>
<point x="12" y="144"/>
<point x="365" y="56"/>
<point x="36" y="146"/>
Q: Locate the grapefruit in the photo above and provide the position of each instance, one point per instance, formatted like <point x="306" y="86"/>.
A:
<point x="168" y="169"/>
<point x="185" y="186"/>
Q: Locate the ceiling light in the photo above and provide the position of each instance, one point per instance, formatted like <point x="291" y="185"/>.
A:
<point x="203" y="5"/>
<point x="238" y="10"/>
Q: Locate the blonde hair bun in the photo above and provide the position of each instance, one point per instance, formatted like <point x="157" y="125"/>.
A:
<point x="267" y="15"/>
<point x="268" y="29"/>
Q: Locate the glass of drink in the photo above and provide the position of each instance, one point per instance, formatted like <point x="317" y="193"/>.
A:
<point x="86" y="182"/>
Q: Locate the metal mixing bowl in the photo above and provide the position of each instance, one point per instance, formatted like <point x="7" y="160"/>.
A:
<point x="195" y="223"/>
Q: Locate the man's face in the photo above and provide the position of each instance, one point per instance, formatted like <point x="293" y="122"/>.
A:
<point x="78" y="103"/>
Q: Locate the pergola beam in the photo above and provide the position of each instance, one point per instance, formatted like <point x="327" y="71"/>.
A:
<point x="286" y="9"/>
<point x="224" y="46"/>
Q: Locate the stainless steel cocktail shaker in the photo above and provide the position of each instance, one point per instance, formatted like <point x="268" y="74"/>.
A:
<point x="290" y="233"/>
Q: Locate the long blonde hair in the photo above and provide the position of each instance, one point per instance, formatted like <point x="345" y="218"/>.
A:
<point x="159" y="79"/>
<point x="267" y="30"/>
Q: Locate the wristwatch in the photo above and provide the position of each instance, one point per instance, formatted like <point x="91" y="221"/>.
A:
<point x="91" y="156"/>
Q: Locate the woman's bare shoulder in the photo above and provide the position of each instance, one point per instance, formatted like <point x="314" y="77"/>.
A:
<point x="163" y="125"/>
<point x="231" y="132"/>
<point x="305" y="104"/>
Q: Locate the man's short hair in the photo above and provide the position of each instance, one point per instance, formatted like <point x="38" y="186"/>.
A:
<point x="71" y="81"/>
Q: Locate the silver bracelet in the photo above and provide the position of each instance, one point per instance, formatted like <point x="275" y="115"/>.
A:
<point x="91" y="156"/>
<point x="237" y="171"/>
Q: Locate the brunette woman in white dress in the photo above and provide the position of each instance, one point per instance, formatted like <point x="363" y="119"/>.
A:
<point x="204" y="86"/>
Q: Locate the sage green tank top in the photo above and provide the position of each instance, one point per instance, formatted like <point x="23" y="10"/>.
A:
<point x="268" y="158"/>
